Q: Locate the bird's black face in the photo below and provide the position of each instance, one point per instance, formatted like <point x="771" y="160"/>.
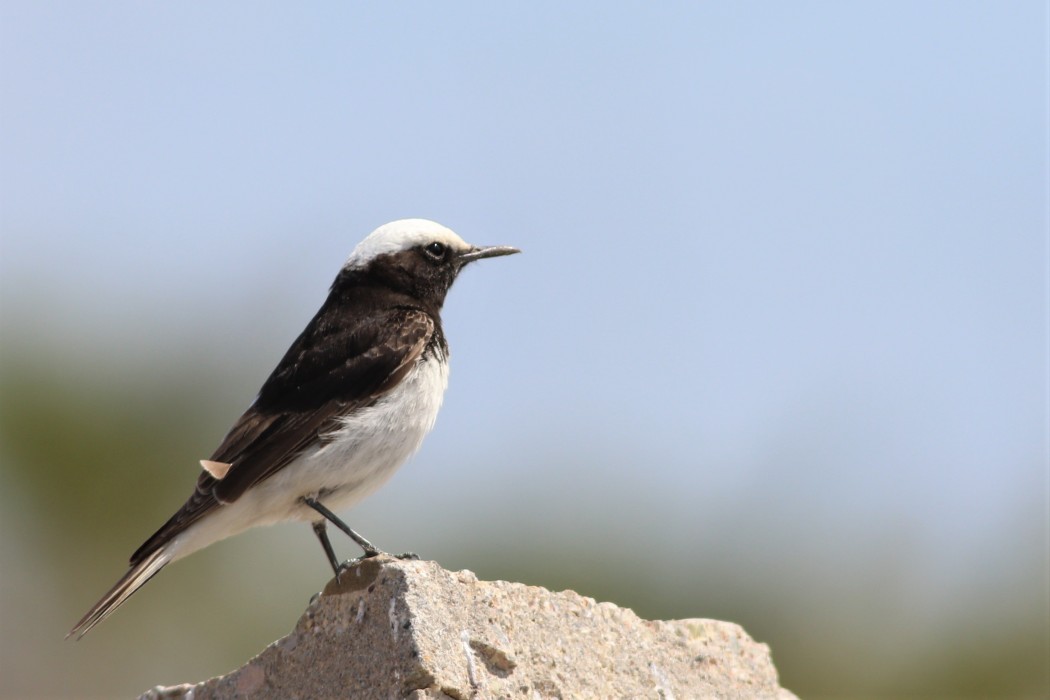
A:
<point x="431" y="269"/>
<point x="439" y="253"/>
<point x="427" y="271"/>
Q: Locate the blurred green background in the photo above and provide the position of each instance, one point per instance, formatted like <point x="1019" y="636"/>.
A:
<point x="776" y="352"/>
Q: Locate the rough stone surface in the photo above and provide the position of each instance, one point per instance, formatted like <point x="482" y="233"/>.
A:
<point x="410" y="629"/>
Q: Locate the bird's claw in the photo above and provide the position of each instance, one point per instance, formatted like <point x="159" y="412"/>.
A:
<point x="351" y="563"/>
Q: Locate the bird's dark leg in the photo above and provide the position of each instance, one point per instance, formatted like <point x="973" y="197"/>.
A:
<point x="321" y="530"/>
<point x="370" y="549"/>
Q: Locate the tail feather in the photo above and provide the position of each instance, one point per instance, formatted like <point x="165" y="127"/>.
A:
<point x="141" y="572"/>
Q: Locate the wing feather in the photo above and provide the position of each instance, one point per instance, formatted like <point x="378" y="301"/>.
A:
<point x="331" y="370"/>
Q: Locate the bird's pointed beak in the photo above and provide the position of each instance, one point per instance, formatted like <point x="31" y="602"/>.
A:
<point x="477" y="253"/>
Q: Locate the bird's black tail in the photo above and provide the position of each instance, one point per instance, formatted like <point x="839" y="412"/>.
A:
<point x="135" y="578"/>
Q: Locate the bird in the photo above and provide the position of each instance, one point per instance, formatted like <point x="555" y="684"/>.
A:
<point x="347" y="405"/>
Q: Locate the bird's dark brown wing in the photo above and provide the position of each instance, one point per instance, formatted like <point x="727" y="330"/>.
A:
<point x="336" y="366"/>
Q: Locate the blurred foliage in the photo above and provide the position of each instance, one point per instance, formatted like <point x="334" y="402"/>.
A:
<point x="90" y="457"/>
<point x="91" y="441"/>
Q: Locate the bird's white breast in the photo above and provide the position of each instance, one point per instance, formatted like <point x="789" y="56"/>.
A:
<point x="372" y="443"/>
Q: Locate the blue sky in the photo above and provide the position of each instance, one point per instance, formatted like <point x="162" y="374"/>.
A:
<point x="785" y="263"/>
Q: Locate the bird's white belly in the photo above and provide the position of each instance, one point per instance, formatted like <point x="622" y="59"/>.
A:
<point x="350" y="464"/>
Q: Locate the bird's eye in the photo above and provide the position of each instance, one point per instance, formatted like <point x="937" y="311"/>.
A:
<point x="436" y="251"/>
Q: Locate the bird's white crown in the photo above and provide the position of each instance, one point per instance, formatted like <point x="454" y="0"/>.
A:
<point x="400" y="235"/>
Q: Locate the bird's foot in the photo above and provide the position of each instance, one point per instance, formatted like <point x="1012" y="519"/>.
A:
<point x="347" y="566"/>
<point x="351" y="563"/>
